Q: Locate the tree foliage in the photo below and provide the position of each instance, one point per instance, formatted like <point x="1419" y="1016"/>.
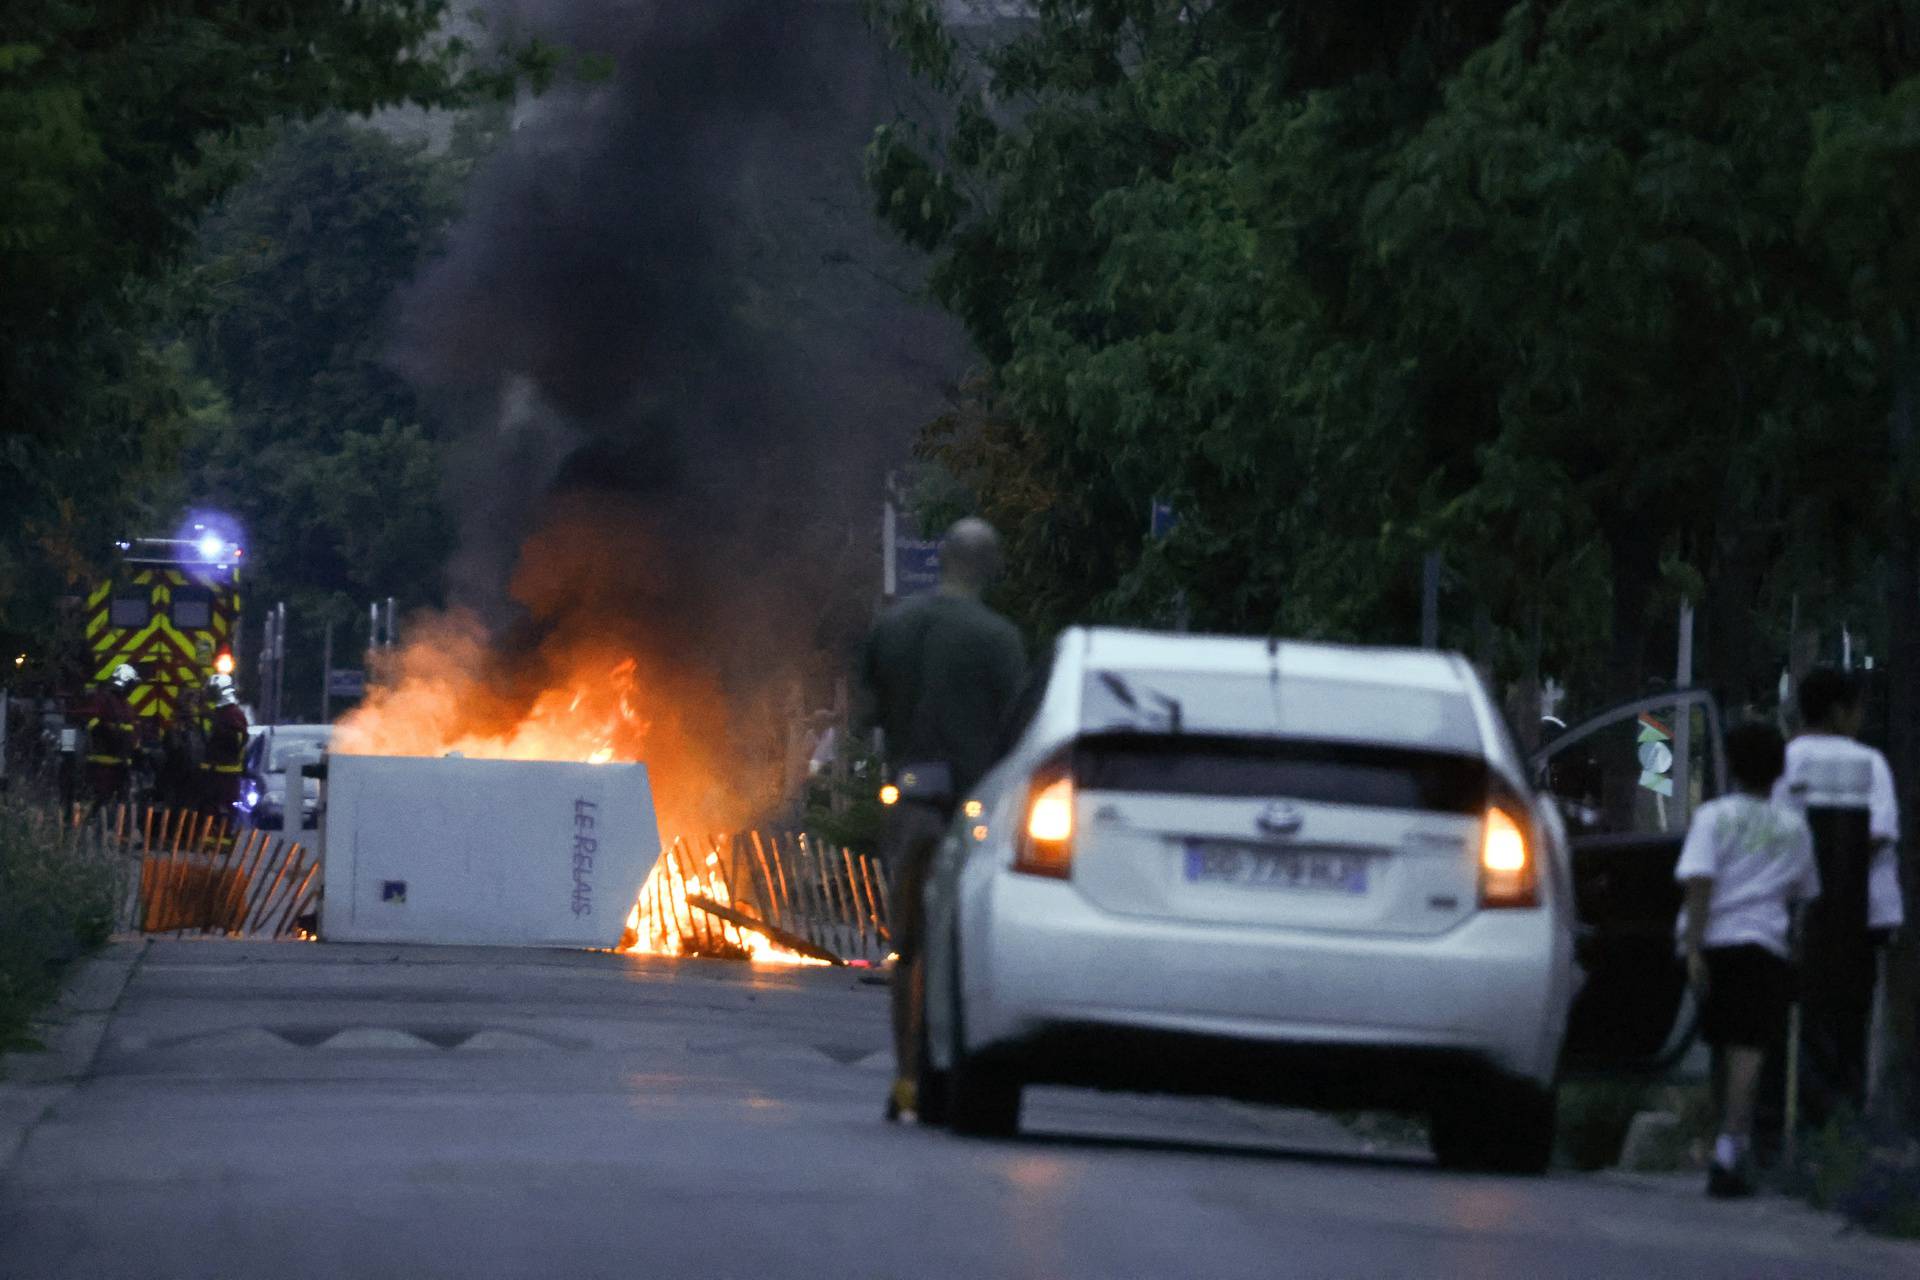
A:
<point x="1526" y="285"/>
<point x="327" y="459"/>
<point x="120" y="123"/>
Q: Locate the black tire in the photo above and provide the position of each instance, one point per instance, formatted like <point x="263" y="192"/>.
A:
<point x="983" y="1101"/>
<point x="935" y="1091"/>
<point x="1496" y="1127"/>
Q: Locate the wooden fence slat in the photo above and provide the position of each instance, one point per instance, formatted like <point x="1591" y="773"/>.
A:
<point x="775" y="909"/>
<point x="714" y="867"/>
<point x="807" y="916"/>
<point x="236" y="909"/>
<point x="295" y="863"/>
<point x="217" y="883"/>
<point x="683" y="921"/>
<point x="862" y="906"/>
<point x="256" y="908"/>
<point x="876" y="878"/>
<point x="294" y="899"/>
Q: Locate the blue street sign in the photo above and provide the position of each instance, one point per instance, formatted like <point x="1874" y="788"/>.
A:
<point x="346" y="682"/>
<point x="916" y="566"/>
<point x="1161" y="519"/>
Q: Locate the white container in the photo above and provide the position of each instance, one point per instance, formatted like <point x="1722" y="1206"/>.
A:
<point x="531" y="853"/>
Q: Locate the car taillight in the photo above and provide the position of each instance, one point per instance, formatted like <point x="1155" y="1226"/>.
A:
<point x="1046" y="843"/>
<point x="1508" y="874"/>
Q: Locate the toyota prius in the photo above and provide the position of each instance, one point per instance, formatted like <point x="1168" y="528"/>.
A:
<point x="1296" y="873"/>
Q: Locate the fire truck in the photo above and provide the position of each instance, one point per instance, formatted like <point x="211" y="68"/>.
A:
<point x="170" y="609"/>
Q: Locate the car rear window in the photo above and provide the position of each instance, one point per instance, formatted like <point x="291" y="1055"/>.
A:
<point x="1289" y="707"/>
<point x="1291" y="769"/>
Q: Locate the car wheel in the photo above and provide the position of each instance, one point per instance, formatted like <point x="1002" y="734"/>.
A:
<point x="935" y="1086"/>
<point x="983" y="1101"/>
<point x="1503" y="1127"/>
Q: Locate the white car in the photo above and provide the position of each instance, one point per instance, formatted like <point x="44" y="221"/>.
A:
<point x="1287" y="872"/>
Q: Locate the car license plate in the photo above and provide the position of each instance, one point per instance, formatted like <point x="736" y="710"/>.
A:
<point x="1260" y="867"/>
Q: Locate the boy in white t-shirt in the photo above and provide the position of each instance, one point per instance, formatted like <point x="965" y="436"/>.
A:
<point x="1746" y="863"/>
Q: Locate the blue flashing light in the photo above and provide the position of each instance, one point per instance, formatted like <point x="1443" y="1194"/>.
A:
<point x="212" y="547"/>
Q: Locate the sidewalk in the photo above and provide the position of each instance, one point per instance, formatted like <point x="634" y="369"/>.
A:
<point x="71" y="1028"/>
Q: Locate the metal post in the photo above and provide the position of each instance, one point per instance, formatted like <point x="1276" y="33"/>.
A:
<point x="280" y="663"/>
<point x="326" y="676"/>
<point x="266" y="668"/>
<point x="393" y="631"/>
<point x="5" y="699"/>
<point x="1683" y="728"/>
<point x="889" y="534"/>
<point x="1430" y="601"/>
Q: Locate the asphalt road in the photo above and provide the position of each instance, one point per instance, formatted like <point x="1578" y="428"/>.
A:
<point x="288" y="1111"/>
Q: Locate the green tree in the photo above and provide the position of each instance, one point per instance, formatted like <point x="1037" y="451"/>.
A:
<point x="1148" y="216"/>
<point x="327" y="460"/>
<point x="1595" y="235"/>
<point x="1523" y="287"/>
<point x="119" y="124"/>
<point x="1863" y="210"/>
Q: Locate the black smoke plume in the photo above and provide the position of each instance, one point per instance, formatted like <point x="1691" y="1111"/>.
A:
<point x="668" y="324"/>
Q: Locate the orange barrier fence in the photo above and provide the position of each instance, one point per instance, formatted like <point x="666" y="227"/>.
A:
<point x="198" y="874"/>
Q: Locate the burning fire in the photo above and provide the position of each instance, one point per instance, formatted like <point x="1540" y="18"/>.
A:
<point x="664" y="916"/>
<point x="443" y="694"/>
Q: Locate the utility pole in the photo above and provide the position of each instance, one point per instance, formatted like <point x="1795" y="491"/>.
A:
<point x="1430" y="600"/>
<point x="279" y="662"/>
<point x="381" y="630"/>
<point x="326" y="676"/>
<point x="266" y="668"/>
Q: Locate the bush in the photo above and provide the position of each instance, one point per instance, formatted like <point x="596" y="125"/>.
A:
<point x="1872" y="1179"/>
<point x="1594" y="1118"/>
<point x="60" y="894"/>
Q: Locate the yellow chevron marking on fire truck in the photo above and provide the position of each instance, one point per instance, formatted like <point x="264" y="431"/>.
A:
<point x="220" y="624"/>
<point x="157" y="635"/>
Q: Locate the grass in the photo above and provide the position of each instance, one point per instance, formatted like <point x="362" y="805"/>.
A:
<point x="59" y="897"/>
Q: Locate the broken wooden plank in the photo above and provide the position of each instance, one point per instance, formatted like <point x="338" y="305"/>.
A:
<point x="792" y="942"/>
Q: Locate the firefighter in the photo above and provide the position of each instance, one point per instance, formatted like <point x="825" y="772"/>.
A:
<point x="224" y="727"/>
<point x="183" y="748"/>
<point x="112" y="736"/>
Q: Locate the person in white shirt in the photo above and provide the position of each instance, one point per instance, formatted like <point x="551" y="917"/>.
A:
<point x="1845" y="789"/>
<point x="1828" y="765"/>
<point x="1745" y="863"/>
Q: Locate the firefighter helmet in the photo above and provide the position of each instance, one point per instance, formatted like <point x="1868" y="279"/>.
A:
<point x="220" y="691"/>
<point x="124" y="677"/>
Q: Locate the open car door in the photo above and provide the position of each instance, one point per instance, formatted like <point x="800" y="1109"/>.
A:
<point x="1627" y="782"/>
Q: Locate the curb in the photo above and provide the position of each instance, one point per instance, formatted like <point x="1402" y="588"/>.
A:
<point x="73" y="1027"/>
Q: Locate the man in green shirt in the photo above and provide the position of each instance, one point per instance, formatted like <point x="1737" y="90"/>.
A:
<point x="940" y="674"/>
